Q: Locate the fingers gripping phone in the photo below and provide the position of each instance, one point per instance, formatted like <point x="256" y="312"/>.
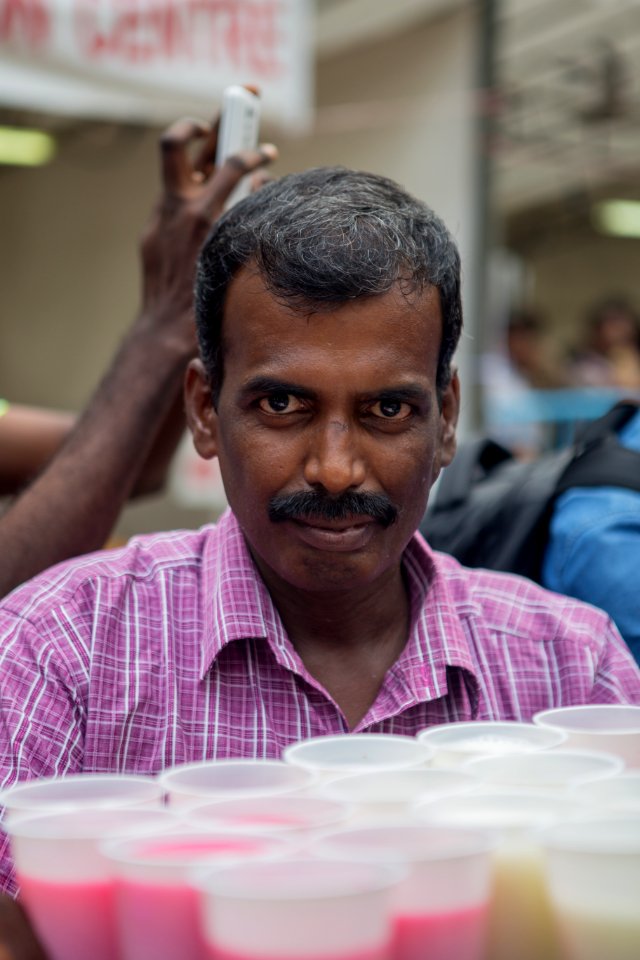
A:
<point x="239" y="125"/>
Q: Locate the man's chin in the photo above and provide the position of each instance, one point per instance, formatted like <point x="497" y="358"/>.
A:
<point x="333" y="539"/>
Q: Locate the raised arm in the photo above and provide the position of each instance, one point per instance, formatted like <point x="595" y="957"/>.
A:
<point x="135" y="415"/>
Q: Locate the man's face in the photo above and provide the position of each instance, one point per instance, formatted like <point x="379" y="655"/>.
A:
<point x="330" y="403"/>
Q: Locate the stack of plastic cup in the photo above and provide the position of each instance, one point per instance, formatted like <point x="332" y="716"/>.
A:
<point x="65" y="882"/>
<point x="550" y="770"/>
<point x="455" y="743"/>
<point x="376" y="796"/>
<point x="299" y="910"/>
<point x="441" y="909"/>
<point x="290" y="814"/>
<point x="593" y="871"/>
<point x="156" y="909"/>
<point x="95" y="790"/>
<point x="356" y="752"/>
<point x="521" y="923"/>
<point x="230" y="779"/>
<point x="614" y="728"/>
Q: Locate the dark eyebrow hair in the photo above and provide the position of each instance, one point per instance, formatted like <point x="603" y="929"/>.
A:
<point x="272" y="385"/>
<point x="261" y="384"/>
<point x="405" y="391"/>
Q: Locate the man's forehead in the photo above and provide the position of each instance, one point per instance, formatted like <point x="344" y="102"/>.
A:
<point x="250" y="287"/>
<point x="383" y="339"/>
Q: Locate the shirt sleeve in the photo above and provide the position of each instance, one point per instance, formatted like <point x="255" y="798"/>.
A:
<point x="617" y="676"/>
<point x="41" y="712"/>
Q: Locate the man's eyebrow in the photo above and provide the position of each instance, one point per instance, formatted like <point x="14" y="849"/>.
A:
<point x="262" y="384"/>
<point x="404" y="391"/>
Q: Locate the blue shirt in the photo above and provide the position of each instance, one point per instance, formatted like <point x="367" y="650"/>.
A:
<point x="594" y="548"/>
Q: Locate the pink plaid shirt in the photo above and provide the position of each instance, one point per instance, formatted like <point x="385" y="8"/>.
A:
<point x="171" y="650"/>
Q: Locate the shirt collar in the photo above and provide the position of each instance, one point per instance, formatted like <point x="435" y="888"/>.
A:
<point x="237" y="605"/>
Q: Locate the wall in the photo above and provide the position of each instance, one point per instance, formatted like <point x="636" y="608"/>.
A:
<point x="68" y="243"/>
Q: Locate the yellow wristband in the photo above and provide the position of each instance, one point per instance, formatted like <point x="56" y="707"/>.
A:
<point x="4" y="406"/>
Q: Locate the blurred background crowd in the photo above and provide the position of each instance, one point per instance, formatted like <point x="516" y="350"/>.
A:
<point x="517" y="120"/>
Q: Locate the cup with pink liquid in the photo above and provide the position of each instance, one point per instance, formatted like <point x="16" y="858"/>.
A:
<point x="189" y="783"/>
<point x="441" y="908"/>
<point x="593" y="872"/>
<point x="156" y="908"/>
<point x="299" y="909"/>
<point x="288" y="814"/>
<point x="520" y="922"/>
<point x="356" y="752"/>
<point x="65" y="883"/>
<point x="612" y="727"/>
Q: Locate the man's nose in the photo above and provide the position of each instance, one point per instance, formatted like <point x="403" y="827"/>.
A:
<point x="334" y="460"/>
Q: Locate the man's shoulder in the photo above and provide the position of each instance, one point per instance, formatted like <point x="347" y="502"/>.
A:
<point x="509" y="604"/>
<point x="145" y="559"/>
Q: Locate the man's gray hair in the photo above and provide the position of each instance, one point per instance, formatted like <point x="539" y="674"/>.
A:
<point x="321" y="238"/>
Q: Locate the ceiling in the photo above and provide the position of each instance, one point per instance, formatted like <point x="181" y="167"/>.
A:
<point x="568" y="89"/>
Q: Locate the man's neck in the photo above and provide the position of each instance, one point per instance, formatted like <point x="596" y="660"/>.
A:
<point x="349" y="639"/>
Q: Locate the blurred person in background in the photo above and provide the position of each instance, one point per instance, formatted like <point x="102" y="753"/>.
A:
<point x="594" y="547"/>
<point x="29" y="436"/>
<point x="122" y="445"/>
<point x="610" y="356"/>
<point x="524" y="362"/>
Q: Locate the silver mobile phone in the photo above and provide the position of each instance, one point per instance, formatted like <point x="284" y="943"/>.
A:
<point x="239" y="126"/>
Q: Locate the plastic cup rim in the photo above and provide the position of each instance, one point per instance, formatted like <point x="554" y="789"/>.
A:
<point x="291" y="754"/>
<point x="479" y="841"/>
<point x="550" y="838"/>
<point x="111" y="847"/>
<point x="540" y="720"/>
<point x="562" y="752"/>
<point x="431" y="735"/>
<point x="28" y="787"/>
<point x="203" y="879"/>
<point x="166" y="777"/>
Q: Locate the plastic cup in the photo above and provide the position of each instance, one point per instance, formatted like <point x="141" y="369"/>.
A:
<point x="64" y="880"/>
<point x="356" y="752"/>
<point x="228" y="779"/>
<point x="615" y="794"/>
<point x="553" y="770"/>
<point x="298" y="910"/>
<point x="455" y="743"/>
<point x="614" y="728"/>
<point x="441" y="908"/>
<point x="521" y="922"/>
<point x="376" y="795"/>
<point x="593" y="871"/>
<point x="156" y="909"/>
<point x="105" y="790"/>
<point x="289" y="814"/>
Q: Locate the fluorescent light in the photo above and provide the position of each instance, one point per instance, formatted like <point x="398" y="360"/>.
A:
<point x="25" y="148"/>
<point x="620" y="218"/>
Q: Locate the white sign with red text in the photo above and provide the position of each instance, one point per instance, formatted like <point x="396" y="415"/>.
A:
<point x="151" y="61"/>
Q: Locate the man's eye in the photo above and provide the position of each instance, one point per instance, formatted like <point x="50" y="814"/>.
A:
<point x="279" y="403"/>
<point x="391" y="409"/>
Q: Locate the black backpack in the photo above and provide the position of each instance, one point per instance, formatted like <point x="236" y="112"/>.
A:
<point x="493" y="511"/>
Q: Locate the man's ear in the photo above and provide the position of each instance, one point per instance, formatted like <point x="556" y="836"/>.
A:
<point x="202" y="418"/>
<point x="450" y="410"/>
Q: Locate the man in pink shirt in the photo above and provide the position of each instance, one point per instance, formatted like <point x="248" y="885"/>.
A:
<point x="328" y="310"/>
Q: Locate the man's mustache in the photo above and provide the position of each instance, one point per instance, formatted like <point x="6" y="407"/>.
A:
<point x="312" y="505"/>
